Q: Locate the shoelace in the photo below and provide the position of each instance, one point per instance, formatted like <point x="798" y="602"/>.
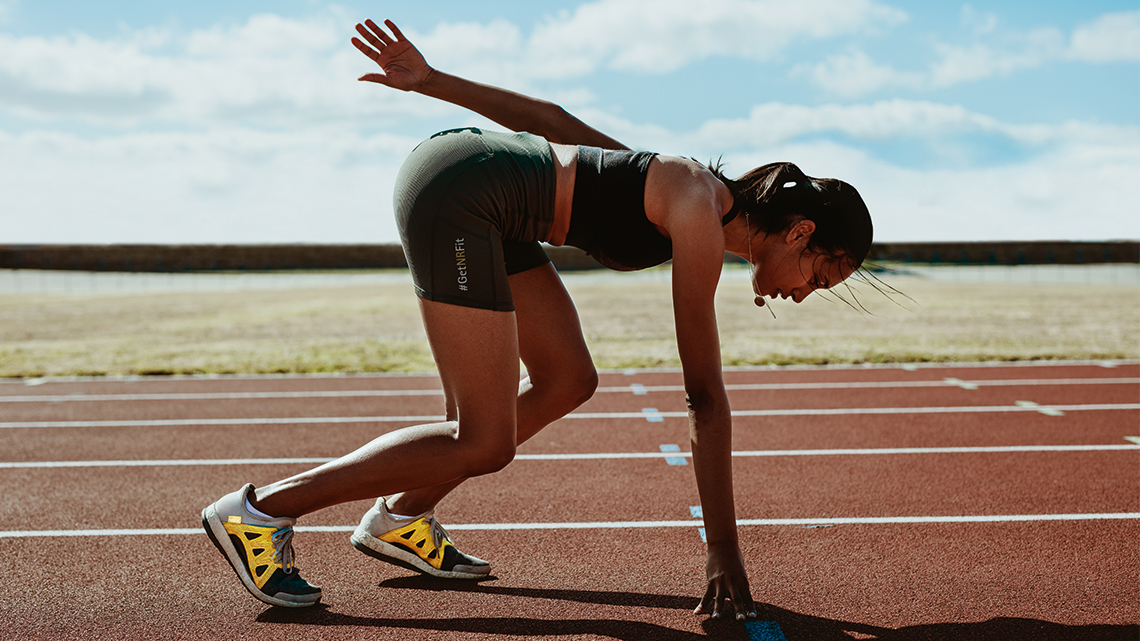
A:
<point x="283" y="548"/>
<point x="438" y="534"/>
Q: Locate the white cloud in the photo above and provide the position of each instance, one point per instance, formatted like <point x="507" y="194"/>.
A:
<point x="230" y="185"/>
<point x="855" y="74"/>
<point x="1113" y="37"/>
<point x="1110" y="38"/>
<point x="777" y="123"/>
<point x="264" y="123"/>
<point x="280" y="71"/>
<point x="978" y="22"/>
<point x="269" y="71"/>
<point x="1077" y="181"/>
<point x="659" y="36"/>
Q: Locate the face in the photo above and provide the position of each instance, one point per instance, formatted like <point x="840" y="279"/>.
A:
<point x="786" y="269"/>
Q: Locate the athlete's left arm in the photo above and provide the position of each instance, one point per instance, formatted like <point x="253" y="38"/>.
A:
<point x="693" y="224"/>
<point x="405" y="68"/>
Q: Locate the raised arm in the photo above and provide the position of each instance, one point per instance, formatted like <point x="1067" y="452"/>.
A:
<point x="406" y="69"/>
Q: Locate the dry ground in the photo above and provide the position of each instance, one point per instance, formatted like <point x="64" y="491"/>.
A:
<point x="627" y="319"/>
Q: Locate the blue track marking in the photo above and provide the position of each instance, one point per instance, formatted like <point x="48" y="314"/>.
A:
<point x="764" y="631"/>
<point x="699" y="513"/>
<point x="674" y="460"/>
<point x="652" y="415"/>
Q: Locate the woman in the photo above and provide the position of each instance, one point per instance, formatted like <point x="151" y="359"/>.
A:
<point x="472" y="207"/>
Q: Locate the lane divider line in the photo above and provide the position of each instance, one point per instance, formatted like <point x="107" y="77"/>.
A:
<point x="625" y="525"/>
<point x="650" y="414"/>
<point x="587" y="456"/>
<point x="957" y="382"/>
<point x="637" y="388"/>
<point x="1047" y="411"/>
<point x="675" y="460"/>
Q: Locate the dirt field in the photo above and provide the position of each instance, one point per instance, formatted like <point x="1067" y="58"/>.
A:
<point x="627" y="319"/>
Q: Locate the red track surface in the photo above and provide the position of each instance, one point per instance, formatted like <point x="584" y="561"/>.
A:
<point x="820" y="575"/>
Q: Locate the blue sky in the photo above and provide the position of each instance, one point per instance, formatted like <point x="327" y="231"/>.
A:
<point x="242" y="121"/>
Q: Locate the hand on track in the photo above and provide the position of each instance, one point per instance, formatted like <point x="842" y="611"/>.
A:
<point x="728" y="581"/>
<point x="404" y="67"/>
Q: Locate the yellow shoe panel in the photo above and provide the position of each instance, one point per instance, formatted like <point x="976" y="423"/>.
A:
<point x="417" y="537"/>
<point x="259" y="550"/>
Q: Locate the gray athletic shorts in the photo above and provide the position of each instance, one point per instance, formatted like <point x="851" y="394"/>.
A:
<point x="471" y="207"/>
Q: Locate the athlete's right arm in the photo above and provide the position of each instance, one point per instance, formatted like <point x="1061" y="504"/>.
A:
<point x="406" y="69"/>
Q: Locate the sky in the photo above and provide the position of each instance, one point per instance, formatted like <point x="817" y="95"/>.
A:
<point x="235" y="121"/>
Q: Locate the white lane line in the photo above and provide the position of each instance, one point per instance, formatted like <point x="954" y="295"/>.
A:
<point x="1047" y="410"/>
<point x="636" y="388"/>
<point x="947" y="382"/>
<point x="644" y="415"/>
<point x="218" y="396"/>
<point x="956" y="382"/>
<point x="624" y="525"/>
<point x="594" y="456"/>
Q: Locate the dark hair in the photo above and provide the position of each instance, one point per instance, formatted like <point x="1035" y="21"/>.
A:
<point x="778" y="194"/>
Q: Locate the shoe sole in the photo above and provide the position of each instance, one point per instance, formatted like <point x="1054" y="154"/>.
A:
<point x="384" y="551"/>
<point x="212" y="523"/>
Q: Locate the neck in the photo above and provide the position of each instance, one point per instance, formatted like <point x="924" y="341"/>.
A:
<point x="737" y="237"/>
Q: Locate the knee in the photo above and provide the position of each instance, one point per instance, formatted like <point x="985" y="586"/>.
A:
<point x="488" y="460"/>
<point x="586" y="384"/>
<point x="576" y="384"/>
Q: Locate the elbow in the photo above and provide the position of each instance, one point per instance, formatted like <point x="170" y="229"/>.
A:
<point x="705" y="401"/>
<point x="553" y="122"/>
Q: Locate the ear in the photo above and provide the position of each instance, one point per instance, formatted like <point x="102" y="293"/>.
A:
<point x="800" y="232"/>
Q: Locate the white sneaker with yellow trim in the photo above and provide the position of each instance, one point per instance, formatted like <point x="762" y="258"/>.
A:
<point x="423" y="545"/>
<point x="259" y="550"/>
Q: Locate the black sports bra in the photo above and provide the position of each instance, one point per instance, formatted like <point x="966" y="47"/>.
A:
<point x="608" y="220"/>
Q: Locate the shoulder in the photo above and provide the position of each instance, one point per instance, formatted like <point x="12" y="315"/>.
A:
<point x="677" y="190"/>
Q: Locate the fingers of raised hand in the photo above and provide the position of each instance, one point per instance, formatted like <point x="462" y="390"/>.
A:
<point x="380" y="33"/>
<point x="395" y="30"/>
<point x="366" y="50"/>
<point x="370" y="37"/>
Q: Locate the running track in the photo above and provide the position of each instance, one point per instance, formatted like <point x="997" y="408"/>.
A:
<point x="931" y="502"/>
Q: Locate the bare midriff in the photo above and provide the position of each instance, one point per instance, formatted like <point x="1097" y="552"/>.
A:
<point x="565" y="168"/>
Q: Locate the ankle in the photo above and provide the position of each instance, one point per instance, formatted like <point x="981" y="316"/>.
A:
<point x="405" y="505"/>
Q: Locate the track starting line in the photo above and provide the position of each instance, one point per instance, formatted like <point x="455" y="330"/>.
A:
<point x="625" y="525"/>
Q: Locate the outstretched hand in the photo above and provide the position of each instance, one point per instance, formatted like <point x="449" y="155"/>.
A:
<point x="728" y="581"/>
<point x="404" y="67"/>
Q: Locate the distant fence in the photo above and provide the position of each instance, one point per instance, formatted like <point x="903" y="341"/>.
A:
<point x="197" y="258"/>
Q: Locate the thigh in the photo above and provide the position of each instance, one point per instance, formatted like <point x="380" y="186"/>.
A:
<point x="549" y="333"/>
<point x="476" y="352"/>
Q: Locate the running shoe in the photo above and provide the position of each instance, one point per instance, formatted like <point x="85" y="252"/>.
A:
<point x="259" y="550"/>
<point x="423" y="545"/>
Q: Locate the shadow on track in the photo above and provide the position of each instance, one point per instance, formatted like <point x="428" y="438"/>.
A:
<point x="796" y="627"/>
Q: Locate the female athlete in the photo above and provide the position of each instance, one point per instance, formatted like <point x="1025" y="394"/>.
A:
<point x="473" y="207"/>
